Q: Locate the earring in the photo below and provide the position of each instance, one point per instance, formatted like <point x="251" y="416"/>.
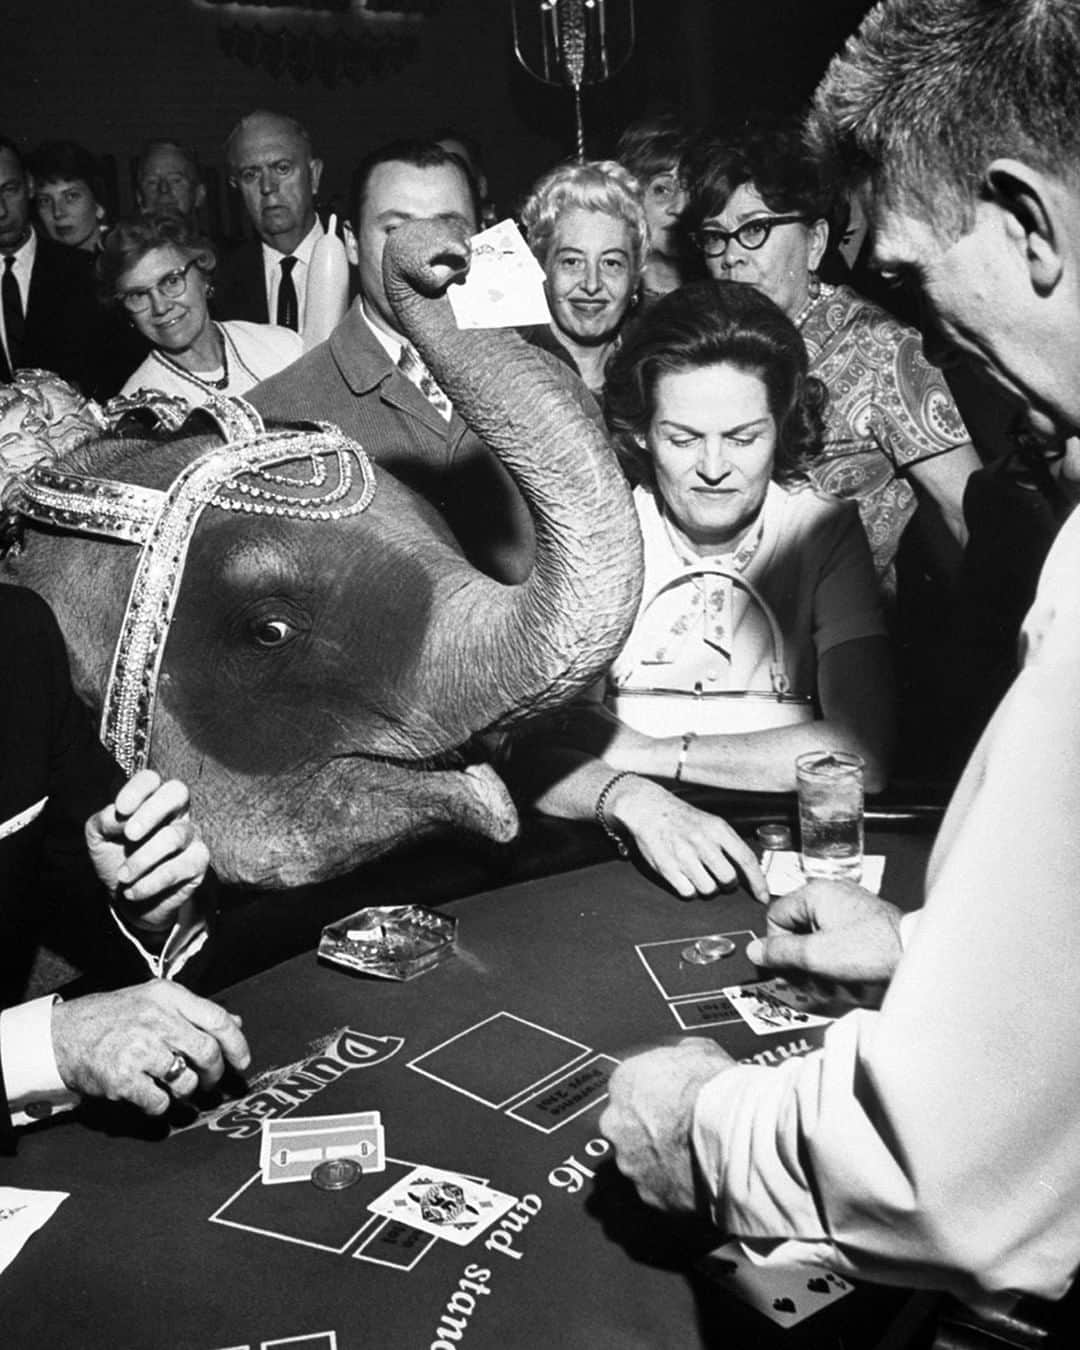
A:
<point x="814" y="286"/>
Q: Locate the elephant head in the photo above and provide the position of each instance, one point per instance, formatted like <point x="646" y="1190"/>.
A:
<point x="323" y="680"/>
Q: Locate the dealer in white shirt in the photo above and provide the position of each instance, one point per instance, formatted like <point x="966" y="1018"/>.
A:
<point x="935" y="1142"/>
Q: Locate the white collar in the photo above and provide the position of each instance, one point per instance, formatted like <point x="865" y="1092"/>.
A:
<point x="272" y="256"/>
<point x="391" y="345"/>
<point x="25" y="254"/>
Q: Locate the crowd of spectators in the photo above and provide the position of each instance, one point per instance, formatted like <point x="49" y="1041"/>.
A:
<point x="781" y="431"/>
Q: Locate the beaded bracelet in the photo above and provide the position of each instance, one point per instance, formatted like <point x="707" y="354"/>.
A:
<point x="688" y="736"/>
<point x="601" y="803"/>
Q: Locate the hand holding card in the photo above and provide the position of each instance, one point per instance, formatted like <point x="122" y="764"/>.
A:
<point x="505" y="284"/>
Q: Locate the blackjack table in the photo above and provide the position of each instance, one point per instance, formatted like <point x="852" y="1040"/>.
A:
<point x="492" y="1065"/>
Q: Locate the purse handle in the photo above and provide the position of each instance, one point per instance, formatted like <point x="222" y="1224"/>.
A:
<point x="778" y="675"/>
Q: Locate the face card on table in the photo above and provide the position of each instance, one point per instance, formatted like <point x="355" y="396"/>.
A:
<point x="445" y="1204"/>
<point x="678" y="978"/>
<point x="786" y="1294"/>
<point x="499" y="1059"/>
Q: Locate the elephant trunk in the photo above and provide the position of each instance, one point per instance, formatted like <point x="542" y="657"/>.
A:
<point x="496" y="653"/>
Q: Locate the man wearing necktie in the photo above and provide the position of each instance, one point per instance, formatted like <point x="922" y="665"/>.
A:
<point x="370" y="380"/>
<point x="50" y="318"/>
<point x="271" y="164"/>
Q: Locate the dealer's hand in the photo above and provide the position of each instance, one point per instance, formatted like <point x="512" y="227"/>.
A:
<point x="649" y="1116"/>
<point x="693" y="851"/>
<point x="122" y="1045"/>
<point x="147" y="851"/>
<point x="831" y="929"/>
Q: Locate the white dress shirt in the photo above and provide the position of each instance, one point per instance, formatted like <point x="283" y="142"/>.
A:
<point x="936" y="1143"/>
<point x="32" y="1082"/>
<point x="272" y="272"/>
<point x="24" y="265"/>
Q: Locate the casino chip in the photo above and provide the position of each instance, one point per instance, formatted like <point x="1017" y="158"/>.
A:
<point x="336" y="1174"/>
<point x="706" y="950"/>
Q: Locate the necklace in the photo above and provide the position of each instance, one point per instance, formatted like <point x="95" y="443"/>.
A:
<point x="192" y="378"/>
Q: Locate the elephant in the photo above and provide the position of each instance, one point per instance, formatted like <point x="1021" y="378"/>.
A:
<point x="324" y="682"/>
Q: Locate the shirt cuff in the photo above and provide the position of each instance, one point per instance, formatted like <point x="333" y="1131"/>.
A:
<point x="32" y="1081"/>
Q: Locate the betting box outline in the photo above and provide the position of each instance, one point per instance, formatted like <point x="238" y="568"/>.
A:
<point x="536" y="1086"/>
<point x="677" y="1005"/>
<point x="375" y="1223"/>
<point x="548" y="1087"/>
<point x="331" y="1343"/>
<point x="328" y="1339"/>
<point x="670" y="999"/>
<point x="286" y="1237"/>
<point x="360" y="1255"/>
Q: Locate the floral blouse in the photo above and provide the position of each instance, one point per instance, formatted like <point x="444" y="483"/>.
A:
<point x="889" y="408"/>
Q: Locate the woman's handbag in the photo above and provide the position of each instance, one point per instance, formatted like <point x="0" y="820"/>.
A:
<point x="657" y="711"/>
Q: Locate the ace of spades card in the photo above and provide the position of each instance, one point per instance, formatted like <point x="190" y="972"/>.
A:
<point x="786" y="1294"/>
<point x="444" y="1204"/>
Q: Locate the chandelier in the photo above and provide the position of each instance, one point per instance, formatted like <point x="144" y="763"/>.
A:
<point x="573" y="43"/>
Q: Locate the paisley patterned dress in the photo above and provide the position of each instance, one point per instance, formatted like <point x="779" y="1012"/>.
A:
<point x="889" y="408"/>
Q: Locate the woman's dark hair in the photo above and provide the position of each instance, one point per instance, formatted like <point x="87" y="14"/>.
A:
<point x="66" y="161"/>
<point x="653" y="145"/>
<point x="715" y="323"/>
<point x="775" y="162"/>
<point x="132" y="239"/>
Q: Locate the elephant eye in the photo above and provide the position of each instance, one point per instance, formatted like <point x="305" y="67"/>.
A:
<point x="272" y="632"/>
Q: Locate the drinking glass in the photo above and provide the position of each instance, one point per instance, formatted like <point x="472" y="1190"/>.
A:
<point x="830" y="789"/>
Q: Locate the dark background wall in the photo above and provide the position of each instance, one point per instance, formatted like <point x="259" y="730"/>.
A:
<point x="114" y="73"/>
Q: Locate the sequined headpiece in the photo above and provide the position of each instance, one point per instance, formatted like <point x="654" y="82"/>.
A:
<point x="233" y="477"/>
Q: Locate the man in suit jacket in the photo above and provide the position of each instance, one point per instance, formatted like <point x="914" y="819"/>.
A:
<point x="64" y="859"/>
<point x="50" y="300"/>
<point x="264" y="280"/>
<point x="354" y="378"/>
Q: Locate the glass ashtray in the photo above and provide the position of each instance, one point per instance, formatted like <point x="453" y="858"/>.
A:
<point x="393" y="942"/>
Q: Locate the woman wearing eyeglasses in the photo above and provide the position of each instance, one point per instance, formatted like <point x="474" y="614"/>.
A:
<point x="653" y="149"/>
<point x="760" y="215"/>
<point x="159" y="271"/>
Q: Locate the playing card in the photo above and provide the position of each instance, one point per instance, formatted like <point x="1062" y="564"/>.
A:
<point x="292" y="1149"/>
<point x="773" y="1005"/>
<point x="22" y="1213"/>
<point x="505" y="284"/>
<point x="783" y="871"/>
<point x="445" y="1204"/>
<point x="786" y="1294"/>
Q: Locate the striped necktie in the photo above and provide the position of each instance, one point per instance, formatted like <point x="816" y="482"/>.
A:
<point x="417" y="373"/>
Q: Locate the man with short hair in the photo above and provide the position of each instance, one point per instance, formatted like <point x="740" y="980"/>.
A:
<point x="367" y="379"/>
<point x="935" y="1142"/>
<point x="270" y="161"/>
<point x="168" y="179"/>
<point x="50" y="316"/>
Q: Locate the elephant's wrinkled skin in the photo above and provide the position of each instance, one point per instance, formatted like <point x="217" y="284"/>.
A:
<point x="320" y="678"/>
